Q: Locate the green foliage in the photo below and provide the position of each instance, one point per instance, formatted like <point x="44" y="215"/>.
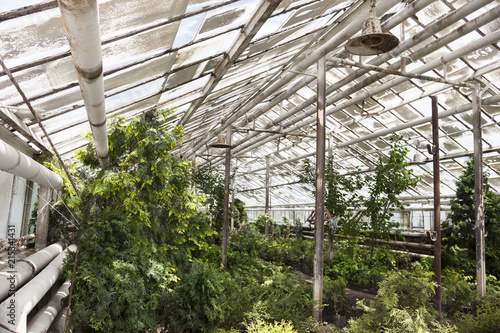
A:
<point x="402" y="305"/>
<point x="136" y="219"/>
<point x="211" y="182"/>
<point x="458" y="231"/>
<point x="260" y="222"/>
<point x="334" y="296"/>
<point x="485" y="318"/>
<point x="342" y="198"/>
<point x="261" y="326"/>
<point x="198" y="302"/>
<point x="361" y="267"/>
<point x="391" y="178"/>
<point x="459" y="292"/>
<point x="240" y="214"/>
<point x="344" y="201"/>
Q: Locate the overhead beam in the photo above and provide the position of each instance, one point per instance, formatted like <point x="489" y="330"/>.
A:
<point x="335" y="38"/>
<point x="13" y="121"/>
<point x="246" y="35"/>
<point x="406" y="45"/>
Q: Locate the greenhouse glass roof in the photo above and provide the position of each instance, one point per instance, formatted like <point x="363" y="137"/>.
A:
<point x="250" y="65"/>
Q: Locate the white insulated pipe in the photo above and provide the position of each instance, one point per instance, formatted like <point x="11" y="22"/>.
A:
<point x="19" y="164"/>
<point x="15" y="309"/>
<point x="26" y="268"/>
<point x="81" y="20"/>
<point x="46" y="315"/>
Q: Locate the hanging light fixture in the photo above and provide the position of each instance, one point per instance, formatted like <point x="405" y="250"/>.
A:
<point x="372" y="40"/>
<point x="220" y="143"/>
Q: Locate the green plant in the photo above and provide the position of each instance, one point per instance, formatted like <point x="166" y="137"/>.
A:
<point x="334" y="295"/>
<point x="391" y="178"/>
<point x="137" y="218"/>
<point x="402" y="305"/>
<point x="459" y="292"/>
<point x="485" y="318"/>
<point x="198" y="301"/>
<point x="260" y="326"/>
<point x="260" y="222"/>
<point x="458" y="231"/>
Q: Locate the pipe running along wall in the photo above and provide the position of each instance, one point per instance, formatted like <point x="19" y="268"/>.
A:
<point x="24" y="300"/>
<point x="16" y="163"/>
<point x="81" y="20"/>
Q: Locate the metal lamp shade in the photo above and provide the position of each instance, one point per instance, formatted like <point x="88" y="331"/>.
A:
<point x="372" y="40"/>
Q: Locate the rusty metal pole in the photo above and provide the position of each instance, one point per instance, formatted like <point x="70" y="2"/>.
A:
<point x="478" y="192"/>
<point x="266" y="228"/>
<point x="319" y="234"/>
<point x="227" y="176"/>
<point x="437" y="201"/>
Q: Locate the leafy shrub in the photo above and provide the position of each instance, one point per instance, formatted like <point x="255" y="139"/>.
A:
<point x="334" y="296"/>
<point x="459" y="293"/>
<point x="137" y="216"/>
<point x="486" y="318"/>
<point x="261" y="326"/>
<point x="198" y="301"/>
<point x="402" y="305"/>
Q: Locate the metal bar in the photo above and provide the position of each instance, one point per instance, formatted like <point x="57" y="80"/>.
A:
<point x="437" y="201"/>
<point x="262" y="13"/>
<point x="266" y="230"/>
<point x="450" y="112"/>
<point x="453" y="17"/>
<point x="263" y="130"/>
<point x="339" y="34"/>
<point x="351" y="63"/>
<point x="81" y="21"/>
<point x="12" y="120"/>
<point x="227" y="176"/>
<point x="319" y="236"/>
<point x="37" y="118"/>
<point x="478" y="192"/>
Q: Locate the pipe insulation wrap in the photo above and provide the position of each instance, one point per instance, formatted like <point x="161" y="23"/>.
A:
<point x="28" y="267"/>
<point x="81" y="21"/>
<point x="16" y="163"/>
<point x="17" y="307"/>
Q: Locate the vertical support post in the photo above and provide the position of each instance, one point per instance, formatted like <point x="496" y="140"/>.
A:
<point x="331" y="235"/>
<point x="437" y="202"/>
<point x="266" y="229"/>
<point x="478" y="192"/>
<point x="232" y="206"/>
<point x="42" y="220"/>
<point x="227" y="175"/>
<point x="319" y="234"/>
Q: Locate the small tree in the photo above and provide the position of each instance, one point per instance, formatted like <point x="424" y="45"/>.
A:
<point x="137" y="218"/>
<point x="458" y="231"/>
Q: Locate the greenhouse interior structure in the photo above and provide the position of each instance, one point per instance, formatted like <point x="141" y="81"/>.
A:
<point x="250" y="166"/>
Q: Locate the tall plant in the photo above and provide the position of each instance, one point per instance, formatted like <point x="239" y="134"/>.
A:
<point x="390" y="179"/>
<point x="136" y="219"/>
<point x="458" y="231"/>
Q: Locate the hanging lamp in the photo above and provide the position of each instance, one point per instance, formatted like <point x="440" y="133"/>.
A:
<point x="372" y="40"/>
<point x="220" y="143"/>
